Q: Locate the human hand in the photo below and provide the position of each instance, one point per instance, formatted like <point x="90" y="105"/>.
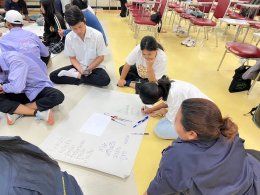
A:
<point x="87" y="72"/>
<point x="1" y="34"/>
<point x="121" y="83"/>
<point x="28" y="19"/>
<point x="146" y="110"/>
<point x="159" y="113"/>
<point x="1" y="89"/>
<point x="61" y="33"/>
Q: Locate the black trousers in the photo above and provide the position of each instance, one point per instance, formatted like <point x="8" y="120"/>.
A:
<point x="133" y="76"/>
<point x="123" y="8"/>
<point x="46" y="59"/>
<point x="46" y="99"/>
<point x="98" y="77"/>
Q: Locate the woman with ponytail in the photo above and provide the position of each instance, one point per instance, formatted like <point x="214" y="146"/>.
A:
<point x="207" y="158"/>
<point x="172" y="93"/>
<point x="146" y="62"/>
<point x="27" y="170"/>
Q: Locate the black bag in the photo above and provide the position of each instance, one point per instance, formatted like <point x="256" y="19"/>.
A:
<point x="157" y="18"/>
<point x="238" y="83"/>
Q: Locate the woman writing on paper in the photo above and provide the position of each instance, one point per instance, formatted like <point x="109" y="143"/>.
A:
<point x="172" y="93"/>
<point x="208" y="157"/>
<point x="146" y="62"/>
<point x="27" y="170"/>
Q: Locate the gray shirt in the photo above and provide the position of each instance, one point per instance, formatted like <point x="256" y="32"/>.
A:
<point x="208" y="168"/>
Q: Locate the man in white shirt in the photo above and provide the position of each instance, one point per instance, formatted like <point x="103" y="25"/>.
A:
<point x="86" y="48"/>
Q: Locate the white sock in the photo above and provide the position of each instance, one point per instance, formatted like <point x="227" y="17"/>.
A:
<point x="69" y="73"/>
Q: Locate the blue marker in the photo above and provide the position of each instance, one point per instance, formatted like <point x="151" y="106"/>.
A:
<point x="141" y="121"/>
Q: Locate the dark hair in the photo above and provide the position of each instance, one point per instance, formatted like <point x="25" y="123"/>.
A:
<point x="204" y="117"/>
<point x="82" y="4"/>
<point x="48" y="6"/>
<point x="16" y="25"/>
<point x="73" y="15"/>
<point x="151" y="92"/>
<point x="18" y="146"/>
<point x="149" y="43"/>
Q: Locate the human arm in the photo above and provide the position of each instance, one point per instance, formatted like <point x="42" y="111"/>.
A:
<point x="95" y="63"/>
<point x="76" y="64"/>
<point x="124" y="72"/>
<point x="157" y="110"/>
<point x="150" y="71"/>
<point x="17" y="76"/>
<point x="145" y="193"/>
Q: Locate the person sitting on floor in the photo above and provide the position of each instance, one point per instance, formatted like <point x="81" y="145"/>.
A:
<point x="22" y="40"/>
<point x="18" y="5"/>
<point x="86" y="48"/>
<point x="146" y="62"/>
<point x="53" y="21"/>
<point x="26" y="89"/>
<point x="208" y="157"/>
<point x="173" y="93"/>
<point x="26" y="170"/>
<point x="90" y="18"/>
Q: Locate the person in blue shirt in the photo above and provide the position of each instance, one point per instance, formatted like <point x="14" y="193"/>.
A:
<point x="208" y="158"/>
<point x="26" y="88"/>
<point x="91" y="19"/>
<point x="27" y="170"/>
<point x="22" y="40"/>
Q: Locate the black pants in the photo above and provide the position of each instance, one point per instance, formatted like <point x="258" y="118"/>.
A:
<point x="46" y="99"/>
<point x="123" y="8"/>
<point x="46" y="59"/>
<point x="98" y="77"/>
<point x="133" y="76"/>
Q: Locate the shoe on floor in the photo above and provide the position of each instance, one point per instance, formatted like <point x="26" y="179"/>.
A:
<point x="186" y="41"/>
<point x="46" y="115"/>
<point x="191" y="43"/>
<point x="11" y="118"/>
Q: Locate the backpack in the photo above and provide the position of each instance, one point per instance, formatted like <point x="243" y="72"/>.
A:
<point x="157" y="18"/>
<point x="238" y="83"/>
<point x="255" y="112"/>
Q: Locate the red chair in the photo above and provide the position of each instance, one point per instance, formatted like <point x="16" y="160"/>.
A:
<point x="203" y="6"/>
<point x="220" y="12"/>
<point x="245" y="52"/>
<point x="147" y="22"/>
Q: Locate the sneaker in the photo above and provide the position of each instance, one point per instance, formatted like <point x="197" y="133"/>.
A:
<point x="11" y="118"/>
<point x="191" y="43"/>
<point x="46" y="115"/>
<point x="186" y="41"/>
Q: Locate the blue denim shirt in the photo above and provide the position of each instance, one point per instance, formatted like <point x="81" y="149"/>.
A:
<point x="24" y="175"/>
<point x="208" y="168"/>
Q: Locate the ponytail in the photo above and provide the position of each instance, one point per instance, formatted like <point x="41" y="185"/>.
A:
<point x="164" y="85"/>
<point x="204" y="117"/>
<point x="228" y="129"/>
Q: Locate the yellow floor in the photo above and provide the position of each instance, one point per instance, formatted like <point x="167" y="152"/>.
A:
<point x="196" y="65"/>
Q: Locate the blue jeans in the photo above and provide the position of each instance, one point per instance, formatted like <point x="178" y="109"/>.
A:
<point x="165" y="129"/>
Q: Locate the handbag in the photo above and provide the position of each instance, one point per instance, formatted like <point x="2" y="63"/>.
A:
<point x="238" y="83"/>
<point x="157" y="18"/>
<point x="58" y="47"/>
